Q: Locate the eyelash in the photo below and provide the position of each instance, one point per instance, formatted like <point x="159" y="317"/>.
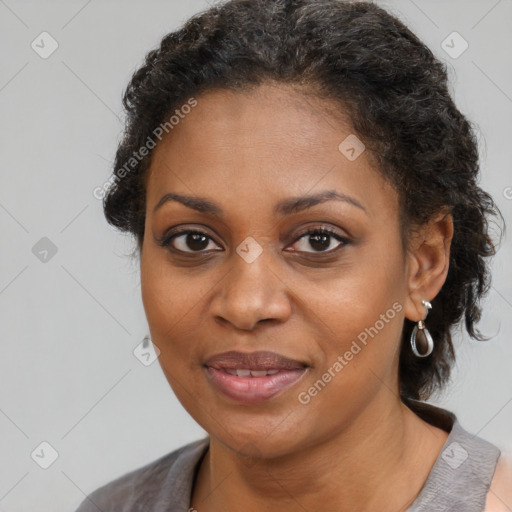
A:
<point x="165" y="241"/>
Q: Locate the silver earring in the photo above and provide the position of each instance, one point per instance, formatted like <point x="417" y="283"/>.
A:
<point x="420" y="333"/>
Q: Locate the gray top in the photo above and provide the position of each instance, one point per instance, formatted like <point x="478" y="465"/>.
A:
<point x="459" y="480"/>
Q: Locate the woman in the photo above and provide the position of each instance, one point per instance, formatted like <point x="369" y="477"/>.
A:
<point x="304" y="193"/>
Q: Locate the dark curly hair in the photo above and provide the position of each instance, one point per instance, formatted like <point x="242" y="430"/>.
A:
<point x="396" y="95"/>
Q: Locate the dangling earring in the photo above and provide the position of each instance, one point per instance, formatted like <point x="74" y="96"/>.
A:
<point x="420" y="333"/>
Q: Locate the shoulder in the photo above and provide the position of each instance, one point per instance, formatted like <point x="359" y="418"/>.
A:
<point x="143" y="487"/>
<point x="499" y="497"/>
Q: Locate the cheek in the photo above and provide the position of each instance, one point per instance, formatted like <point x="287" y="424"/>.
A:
<point x="359" y="313"/>
<point x="174" y="325"/>
<point x="360" y="356"/>
<point x="355" y="297"/>
<point x="361" y="325"/>
<point x="171" y="301"/>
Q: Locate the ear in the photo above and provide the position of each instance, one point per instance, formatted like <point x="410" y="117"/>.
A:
<point x="428" y="259"/>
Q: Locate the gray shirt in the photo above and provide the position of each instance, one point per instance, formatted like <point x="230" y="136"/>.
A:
<point x="459" y="480"/>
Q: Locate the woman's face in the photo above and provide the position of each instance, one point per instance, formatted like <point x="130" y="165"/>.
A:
<point x="329" y="306"/>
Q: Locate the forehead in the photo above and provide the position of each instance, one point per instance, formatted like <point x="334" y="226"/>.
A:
<point x="269" y="142"/>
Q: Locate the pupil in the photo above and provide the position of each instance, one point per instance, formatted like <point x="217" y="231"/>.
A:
<point x="319" y="241"/>
<point x="197" y="241"/>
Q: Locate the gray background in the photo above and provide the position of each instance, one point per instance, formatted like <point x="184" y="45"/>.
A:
<point x="69" y="324"/>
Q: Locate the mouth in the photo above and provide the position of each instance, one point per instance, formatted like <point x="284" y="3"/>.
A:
<point x="253" y="377"/>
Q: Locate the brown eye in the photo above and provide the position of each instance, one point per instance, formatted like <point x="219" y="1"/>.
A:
<point x="189" y="241"/>
<point x="320" y="240"/>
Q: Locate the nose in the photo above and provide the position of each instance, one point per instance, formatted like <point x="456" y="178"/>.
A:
<point x="251" y="293"/>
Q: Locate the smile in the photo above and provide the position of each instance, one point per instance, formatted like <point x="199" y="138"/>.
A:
<point x="252" y="386"/>
<point x="251" y="373"/>
<point x="253" y="377"/>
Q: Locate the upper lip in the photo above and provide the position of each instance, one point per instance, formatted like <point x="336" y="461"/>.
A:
<point x="260" y="360"/>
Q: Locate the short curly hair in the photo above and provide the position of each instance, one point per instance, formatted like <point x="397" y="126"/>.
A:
<point x="396" y="95"/>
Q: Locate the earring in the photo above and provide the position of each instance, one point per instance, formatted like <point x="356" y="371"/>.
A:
<point x="420" y="333"/>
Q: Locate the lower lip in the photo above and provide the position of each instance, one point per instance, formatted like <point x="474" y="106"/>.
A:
<point x="254" y="389"/>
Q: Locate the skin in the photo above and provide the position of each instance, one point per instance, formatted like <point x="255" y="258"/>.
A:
<point x="499" y="498"/>
<point x="354" y="446"/>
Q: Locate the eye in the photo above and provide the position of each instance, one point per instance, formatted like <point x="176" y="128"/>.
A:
<point x="322" y="240"/>
<point x="191" y="241"/>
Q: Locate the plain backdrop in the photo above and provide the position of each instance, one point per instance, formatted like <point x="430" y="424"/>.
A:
<point x="71" y="313"/>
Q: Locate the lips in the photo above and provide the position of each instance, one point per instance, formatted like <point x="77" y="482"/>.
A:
<point x="261" y="360"/>
<point x="253" y="377"/>
<point x="251" y="373"/>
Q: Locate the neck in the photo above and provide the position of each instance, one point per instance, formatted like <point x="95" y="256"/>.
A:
<point x="379" y="462"/>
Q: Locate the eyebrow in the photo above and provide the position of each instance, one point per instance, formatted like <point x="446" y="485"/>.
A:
<point x="285" y="207"/>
